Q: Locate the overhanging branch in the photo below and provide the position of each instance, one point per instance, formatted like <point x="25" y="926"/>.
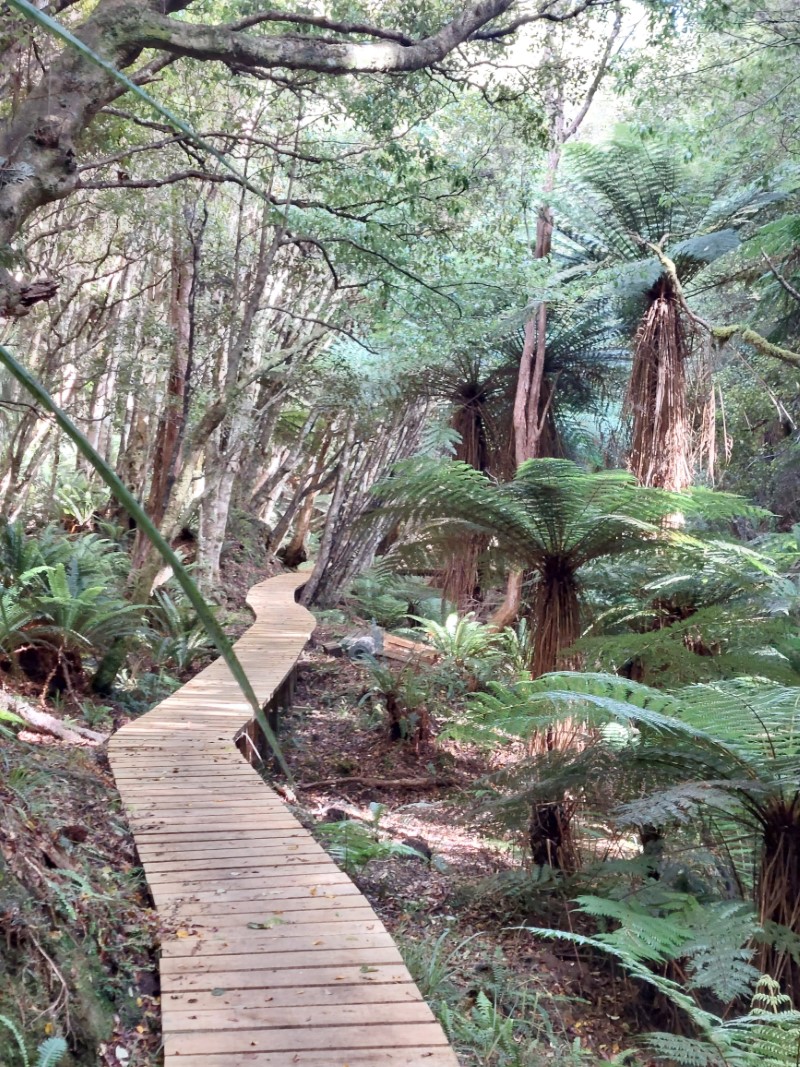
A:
<point x="389" y="54"/>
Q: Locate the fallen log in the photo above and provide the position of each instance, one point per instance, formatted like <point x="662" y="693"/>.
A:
<point x="404" y="650"/>
<point x="381" y="783"/>
<point x="44" y="723"/>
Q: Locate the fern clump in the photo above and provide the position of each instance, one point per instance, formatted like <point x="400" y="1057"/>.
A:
<point x="50" y="1052"/>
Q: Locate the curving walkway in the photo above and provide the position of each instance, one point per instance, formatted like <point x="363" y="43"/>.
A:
<point x="270" y="956"/>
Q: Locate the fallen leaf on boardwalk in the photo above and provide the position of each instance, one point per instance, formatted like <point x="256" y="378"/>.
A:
<point x="218" y="992"/>
<point x="181" y="933"/>
<point x="313" y="891"/>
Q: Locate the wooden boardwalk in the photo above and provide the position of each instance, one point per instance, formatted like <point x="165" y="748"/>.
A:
<point x="270" y="956"/>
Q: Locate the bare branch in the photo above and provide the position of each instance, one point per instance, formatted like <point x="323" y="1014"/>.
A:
<point x="322" y="23"/>
<point x="600" y="73"/>
<point x="721" y="334"/>
<point x="157" y="183"/>
<point x="244" y="50"/>
<point x="779" y="278"/>
<point x="543" y="14"/>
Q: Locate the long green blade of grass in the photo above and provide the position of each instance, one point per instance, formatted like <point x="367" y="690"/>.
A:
<point x="135" y="510"/>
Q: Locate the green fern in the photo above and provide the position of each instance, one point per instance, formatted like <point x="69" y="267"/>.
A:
<point x="51" y="1052"/>
<point x="769" y="1036"/>
<point x="353" y="845"/>
<point x="10" y="1025"/>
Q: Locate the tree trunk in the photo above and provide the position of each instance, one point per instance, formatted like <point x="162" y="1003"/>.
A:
<point x="555" y="615"/>
<point x="532" y="403"/>
<point x="214" y="511"/>
<point x="171" y="423"/>
<point x="660" y="438"/>
<point x="778" y="888"/>
<point x="294" y="553"/>
<point x="331" y="519"/>
<point x="460" y="579"/>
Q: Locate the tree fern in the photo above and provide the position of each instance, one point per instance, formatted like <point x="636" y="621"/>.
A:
<point x="632" y="206"/>
<point x="713" y="609"/>
<point x="729" y="749"/>
<point x="552" y="520"/>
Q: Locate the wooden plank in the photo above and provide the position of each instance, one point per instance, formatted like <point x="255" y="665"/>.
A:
<point x="277" y="941"/>
<point x="240" y="1000"/>
<point x="313" y="957"/>
<point x="311" y="1038"/>
<point x="244" y="889"/>
<point x="223" y="876"/>
<point x="406" y="1057"/>
<point x="177" y="808"/>
<point x="265" y="978"/>
<point x="306" y="1015"/>
<point x="314" y="875"/>
<point x="319" y="919"/>
<point x="284" y="902"/>
<point x="257" y="930"/>
<point x="228" y="824"/>
<point x="247" y="844"/>
<point x="169" y="859"/>
<point x="330" y="886"/>
<point x="198" y="838"/>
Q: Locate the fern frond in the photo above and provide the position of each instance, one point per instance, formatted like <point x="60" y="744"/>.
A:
<point x="51" y="1052"/>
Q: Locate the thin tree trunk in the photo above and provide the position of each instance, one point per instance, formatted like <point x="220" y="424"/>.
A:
<point x="295" y="551"/>
<point x="171" y="423"/>
<point x="331" y="519"/>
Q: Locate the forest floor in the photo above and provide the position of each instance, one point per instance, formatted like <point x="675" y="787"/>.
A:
<point x="79" y="937"/>
<point x="457" y="914"/>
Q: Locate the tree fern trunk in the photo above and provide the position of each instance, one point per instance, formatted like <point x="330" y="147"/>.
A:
<point x="460" y="579"/>
<point x="778" y="888"/>
<point x="556" y="615"/>
<point x="657" y="395"/>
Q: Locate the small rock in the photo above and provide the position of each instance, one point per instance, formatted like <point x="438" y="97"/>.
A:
<point x="335" y="815"/>
<point x="148" y="984"/>
<point x="419" y="844"/>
